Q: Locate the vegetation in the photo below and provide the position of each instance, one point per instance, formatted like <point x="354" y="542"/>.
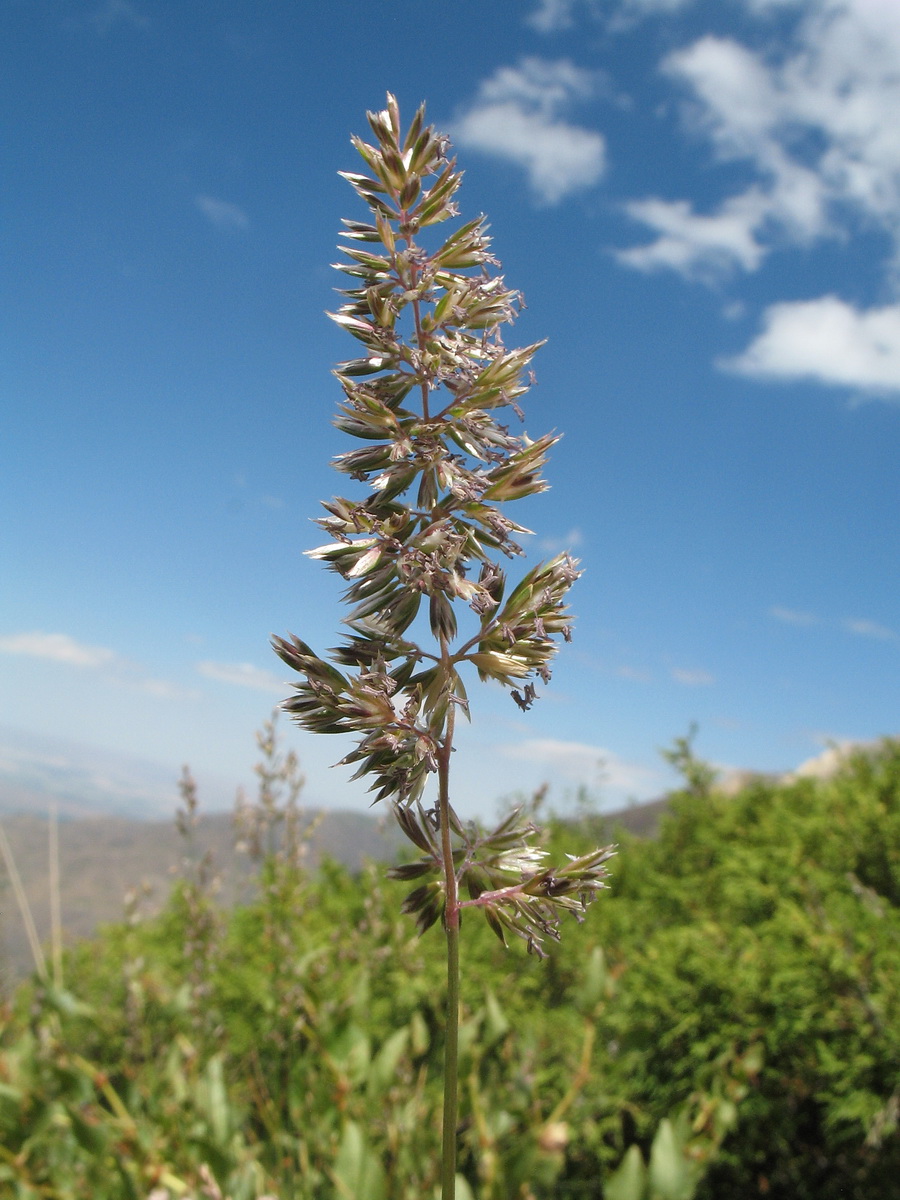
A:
<point x="727" y="1025"/>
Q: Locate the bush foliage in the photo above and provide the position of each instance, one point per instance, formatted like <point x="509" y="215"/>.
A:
<point x="727" y="1025"/>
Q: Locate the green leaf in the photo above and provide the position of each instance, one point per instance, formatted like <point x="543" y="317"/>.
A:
<point x="384" y="1067"/>
<point x="66" y="1004"/>
<point x="672" y="1174"/>
<point x="215" y="1100"/>
<point x="496" y="1024"/>
<point x="420" y="1038"/>
<point x="594" y="983"/>
<point x="358" y="1174"/>
<point x="629" y="1180"/>
<point x="352" y="1052"/>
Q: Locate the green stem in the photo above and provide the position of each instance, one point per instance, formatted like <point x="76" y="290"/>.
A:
<point x="451" y="926"/>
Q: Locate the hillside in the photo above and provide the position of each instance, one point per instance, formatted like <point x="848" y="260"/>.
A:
<point x="102" y="858"/>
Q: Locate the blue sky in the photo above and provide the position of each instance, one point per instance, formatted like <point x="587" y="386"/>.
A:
<point x="701" y="204"/>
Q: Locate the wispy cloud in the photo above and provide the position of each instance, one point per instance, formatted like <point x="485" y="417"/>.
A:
<point x="869" y="629"/>
<point x="827" y="340"/>
<point x="117" y="12"/>
<point x="222" y="214"/>
<point x="163" y="689"/>
<point x="791" y="616"/>
<point x="693" y="677"/>
<point x="551" y="16"/>
<point x="518" y="115"/>
<point x="61" y="648"/>
<point x="580" y="763"/>
<point x="645" y="7"/>
<point x="242" y="675"/>
<point x="858" y="626"/>
<point x="635" y="674"/>
<point x="556" y="545"/>
<point x="58" y="647"/>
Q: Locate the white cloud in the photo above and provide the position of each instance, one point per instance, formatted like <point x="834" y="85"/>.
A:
<point x="222" y="214"/>
<point x="791" y="616"/>
<point x="763" y="6"/>
<point x="116" y="12"/>
<point x="58" y="647"/>
<point x="580" y="763"/>
<point x="556" y="545"/>
<point x="242" y="675"/>
<point x="518" y="116"/>
<point x="870" y="629"/>
<point x="812" y="120"/>
<point x="737" y="98"/>
<point x="162" y="689"/>
<point x="697" y="246"/>
<point x="635" y="674"/>
<point x="693" y="678"/>
<point x="827" y="340"/>
<point x="552" y="15"/>
<point x="859" y="626"/>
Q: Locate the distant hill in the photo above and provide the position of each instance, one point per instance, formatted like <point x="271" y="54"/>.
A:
<point x="640" y="819"/>
<point x="102" y="858"/>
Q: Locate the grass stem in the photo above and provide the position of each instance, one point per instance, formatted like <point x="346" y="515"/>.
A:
<point x="40" y="963"/>
<point x="451" y="928"/>
<point x="56" y="947"/>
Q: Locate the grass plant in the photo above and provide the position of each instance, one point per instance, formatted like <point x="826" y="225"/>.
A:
<point x="431" y="538"/>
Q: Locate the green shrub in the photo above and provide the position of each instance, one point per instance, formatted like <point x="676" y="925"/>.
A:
<point x="738" y="1033"/>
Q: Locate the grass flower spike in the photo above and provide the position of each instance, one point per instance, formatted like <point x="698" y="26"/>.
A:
<point x="430" y="399"/>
